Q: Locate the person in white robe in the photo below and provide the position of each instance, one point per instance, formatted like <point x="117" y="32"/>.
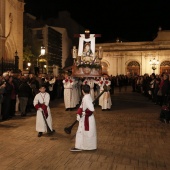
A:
<point x="105" y="99"/>
<point x="86" y="136"/>
<point x="69" y="100"/>
<point x="90" y="81"/>
<point x="41" y="103"/>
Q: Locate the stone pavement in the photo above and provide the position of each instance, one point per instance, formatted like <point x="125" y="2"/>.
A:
<point x="130" y="137"/>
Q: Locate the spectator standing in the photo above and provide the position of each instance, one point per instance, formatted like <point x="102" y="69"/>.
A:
<point x="6" y="98"/>
<point x="24" y="92"/>
<point x="2" y="89"/>
<point x="13" y="96"/>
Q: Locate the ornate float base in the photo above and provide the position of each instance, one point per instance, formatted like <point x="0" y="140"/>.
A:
<point x="86" y="72"/>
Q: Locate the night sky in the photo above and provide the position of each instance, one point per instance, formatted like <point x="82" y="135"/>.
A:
<point x="129" y="20"/>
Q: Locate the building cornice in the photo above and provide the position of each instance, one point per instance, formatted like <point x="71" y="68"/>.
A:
<point x="138" y="46"/>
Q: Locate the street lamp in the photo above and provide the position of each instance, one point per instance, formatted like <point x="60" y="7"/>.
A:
<point x="45" y="67"/>
<point x="42" y="52"/>
<point x="16" y="61"/>
<point x="29" y="64"/>
<point x="154" y="63"/>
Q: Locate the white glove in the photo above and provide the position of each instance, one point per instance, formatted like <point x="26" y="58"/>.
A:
<point x="40" y="109"/>
<point x="78" y="117"/>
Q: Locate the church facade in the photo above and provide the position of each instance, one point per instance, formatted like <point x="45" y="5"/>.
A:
<point x="137" y="58"/>
<point x="11" y="33"/>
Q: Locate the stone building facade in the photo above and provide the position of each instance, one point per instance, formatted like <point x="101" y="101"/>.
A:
<point x="133" y="58"/>
<point x="11" y="33"/>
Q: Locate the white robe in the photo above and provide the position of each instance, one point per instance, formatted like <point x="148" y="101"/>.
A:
<point x="86" y="140"/>
<point x="91" y="83"/>
<point x="105" y="99"/>
<point x="68" y="94"/>
<point x="40" y="123"/>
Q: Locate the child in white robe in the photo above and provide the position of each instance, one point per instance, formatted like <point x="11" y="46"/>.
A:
<point x="41" y="103"/>
<point x="86" y="137"/>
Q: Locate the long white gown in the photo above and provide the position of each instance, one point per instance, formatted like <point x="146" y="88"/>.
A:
<point x="40" y="123"/>
<point x="86" y="140"/>
<point x="68" y="94"/>
<point x="105" y="99"/>
<point x="91" y="83"/>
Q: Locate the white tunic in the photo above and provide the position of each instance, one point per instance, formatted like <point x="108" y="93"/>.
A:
<point x="86" y="140"/>
<point x="68" y="94"/>
<point x="105" y="99"/>
<point x="91" y="83"/>
<point x="40" y="123"/>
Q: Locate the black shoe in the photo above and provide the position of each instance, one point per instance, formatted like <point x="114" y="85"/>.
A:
<point x="67" y="109"/>
<point x="39" y="134"/>
<point x="75" y="150"/>
<point x="23" y="114"/>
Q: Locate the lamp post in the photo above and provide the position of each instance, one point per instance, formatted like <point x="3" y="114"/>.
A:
<point x="29" y="64"/>
<point x="154" y="63"/>
<point x="16" y="61"/>
<point x="42" y="52"/>
<point x="45" y="67"/>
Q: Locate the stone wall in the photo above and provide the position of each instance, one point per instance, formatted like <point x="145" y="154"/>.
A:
<point x="119" y="54"/>
<point x="11" y="21"/>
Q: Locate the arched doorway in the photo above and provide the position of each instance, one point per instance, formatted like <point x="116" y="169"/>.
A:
<point x="104" y="67"/>
<point x="133" y="68"/>
<point x="165" y="67"/>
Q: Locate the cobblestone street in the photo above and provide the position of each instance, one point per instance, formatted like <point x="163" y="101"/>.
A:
<point x="130" y="137"/>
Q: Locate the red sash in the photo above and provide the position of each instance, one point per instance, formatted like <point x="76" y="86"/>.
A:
<point x="86" y="122"/>
<point x="43" y="107"/>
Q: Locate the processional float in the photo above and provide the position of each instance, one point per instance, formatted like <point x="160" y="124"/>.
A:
<point x="87" y="62"/>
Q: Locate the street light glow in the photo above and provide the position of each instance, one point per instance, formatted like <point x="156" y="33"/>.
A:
<point x="154" y="63"/>
<point x="42" y="50"/>
<point x="29" y="64"/>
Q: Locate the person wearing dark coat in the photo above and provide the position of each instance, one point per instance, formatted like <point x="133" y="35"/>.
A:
<point x="165" y="88"/>
<point x="24" y="92"/>
<point x="6" y="105"/>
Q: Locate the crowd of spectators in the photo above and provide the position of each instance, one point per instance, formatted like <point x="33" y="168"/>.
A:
<point x="155" y="87"/>
<point x="17" y="91"/>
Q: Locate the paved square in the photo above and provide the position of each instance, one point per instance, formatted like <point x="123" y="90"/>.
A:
<point x="130" y="137"/>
